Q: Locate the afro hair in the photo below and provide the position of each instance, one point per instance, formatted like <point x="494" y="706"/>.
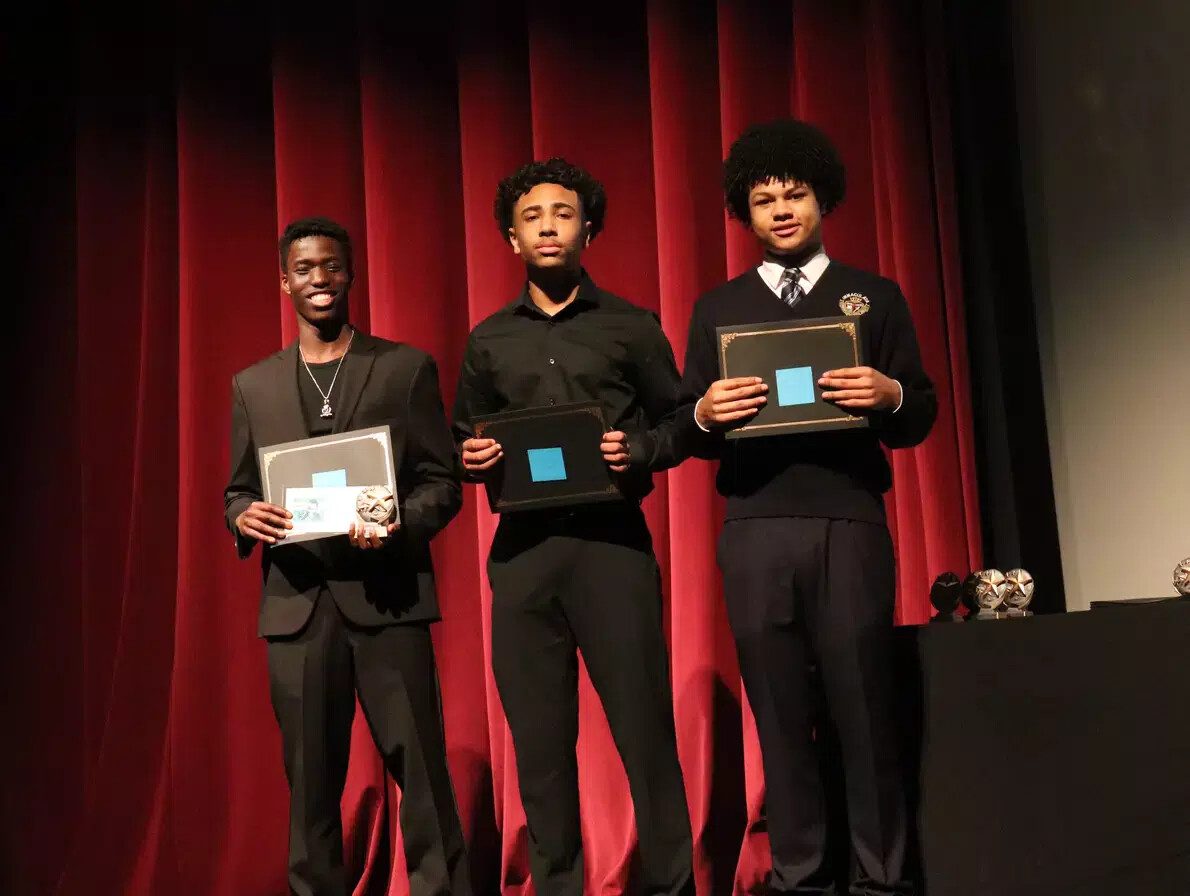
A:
<point x="783" y="150"/>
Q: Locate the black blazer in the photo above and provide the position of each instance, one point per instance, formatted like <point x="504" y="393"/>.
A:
<point x="381" y="382"/>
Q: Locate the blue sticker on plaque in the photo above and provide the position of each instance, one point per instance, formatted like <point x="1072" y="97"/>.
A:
<point x="330" y="479"/>
<point x="795" y="385"/>
<point x="546" y="465"/>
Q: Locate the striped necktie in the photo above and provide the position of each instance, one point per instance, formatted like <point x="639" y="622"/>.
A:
<point x="791" y="286"/>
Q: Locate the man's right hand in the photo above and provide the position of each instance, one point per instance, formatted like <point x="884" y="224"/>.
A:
<point x="480" y="455"/>
<point x="264" y="522"/>
<point x="728" y="402"/>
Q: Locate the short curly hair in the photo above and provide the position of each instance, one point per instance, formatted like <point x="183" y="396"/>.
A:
<point x="552" y="171"/>
<point x="784" y="150"/>
<point x="316" y="226"/>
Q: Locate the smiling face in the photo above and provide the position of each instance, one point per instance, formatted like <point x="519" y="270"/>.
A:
<point x="548" y="228"/>
<point x="317" y="277"/>
<point x="786" y="217"/>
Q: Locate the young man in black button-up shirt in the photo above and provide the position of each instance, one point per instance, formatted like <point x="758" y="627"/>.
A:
<point x="583" y="578"/>
<point x="807" y="560"/>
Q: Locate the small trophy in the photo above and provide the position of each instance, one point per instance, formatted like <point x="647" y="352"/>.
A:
<point x="1018" y="593"/>
<point x="945" y="595"/>
<point x="983" y="594"/>
<point x="375" y="506"/>
<point x="1181" y="578"/>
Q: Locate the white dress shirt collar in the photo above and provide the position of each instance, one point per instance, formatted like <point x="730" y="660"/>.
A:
<point x="771" y="271"/>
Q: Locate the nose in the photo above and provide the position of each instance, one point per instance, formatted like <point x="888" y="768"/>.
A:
<point x="320" y="275"/>
<point x="549" y="227"/>
<point x="782" y="209"/>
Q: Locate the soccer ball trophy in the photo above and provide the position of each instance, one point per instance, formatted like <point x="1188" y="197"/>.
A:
<point x="1019" y="592"/>
<point x="375" y="506"/>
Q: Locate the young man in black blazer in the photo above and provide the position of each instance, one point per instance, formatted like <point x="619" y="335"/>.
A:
<point x="805" y="551"/>
<point x="350" y="615"/>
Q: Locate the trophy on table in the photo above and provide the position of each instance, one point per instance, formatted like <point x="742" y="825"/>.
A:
<point x="983" y="594"/>
<point x="1019" y="593"/>
<point x="945" y="594"/>
<point x="1181" y="578"/>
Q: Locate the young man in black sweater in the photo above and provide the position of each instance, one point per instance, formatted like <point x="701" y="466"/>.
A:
<point x="806" y="555"/>
<point x="579" y="578"/>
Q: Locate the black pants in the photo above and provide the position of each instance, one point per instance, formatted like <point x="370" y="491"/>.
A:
<point x="811" y="607"/>
<point x="588" y="581"/>
<point x="314" y="677"/>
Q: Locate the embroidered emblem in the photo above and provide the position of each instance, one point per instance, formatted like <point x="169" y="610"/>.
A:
<point x="854" y="304"/>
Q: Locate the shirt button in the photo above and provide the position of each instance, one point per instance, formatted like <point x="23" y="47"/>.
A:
<point x="551" y="360"/>
<point x="551" y="401"/>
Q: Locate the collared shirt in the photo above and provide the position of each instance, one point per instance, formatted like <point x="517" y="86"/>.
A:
<point x="771" y="272"/>
<point x="598" y="348"/>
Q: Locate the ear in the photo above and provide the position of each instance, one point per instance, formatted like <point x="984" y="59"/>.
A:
<point x="586" y="234"/>
<point x="512" y="241"/>
<point x="285" y="283"/>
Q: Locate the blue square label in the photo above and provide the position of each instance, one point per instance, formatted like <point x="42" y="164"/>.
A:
<point x="795" y="385"/>
<point x="546" y="465"/>
<point x="330" y="479"/>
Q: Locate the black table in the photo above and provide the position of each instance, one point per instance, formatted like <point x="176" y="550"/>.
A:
<point x="1055" y="753"/>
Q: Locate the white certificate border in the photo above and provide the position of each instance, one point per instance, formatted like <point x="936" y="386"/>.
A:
<point x="381" y="436"/>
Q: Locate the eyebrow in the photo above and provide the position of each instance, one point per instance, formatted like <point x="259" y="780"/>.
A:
<point x="768" y="191"/>
<point x="555" y="205"/>
<point x="308" y="259"/>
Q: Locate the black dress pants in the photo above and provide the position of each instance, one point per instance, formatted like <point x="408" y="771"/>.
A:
<point x="587" y="581"/>
<point x="314" y="678"/>
<point x="810" y="602"/>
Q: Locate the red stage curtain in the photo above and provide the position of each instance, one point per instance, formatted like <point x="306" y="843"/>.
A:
<point x="146" y="759"/>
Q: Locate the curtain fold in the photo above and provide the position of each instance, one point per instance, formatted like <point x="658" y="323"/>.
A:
<point x="175" y="156"/>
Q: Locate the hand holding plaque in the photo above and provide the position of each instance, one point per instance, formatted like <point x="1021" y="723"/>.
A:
<point x="731" y="402"/>
<point x="481" y="457"/>
<point x="790" y="358"/>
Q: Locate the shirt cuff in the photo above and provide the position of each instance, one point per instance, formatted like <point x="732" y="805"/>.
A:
<point x="699" y="425"/>
<point x="900" y="401"/>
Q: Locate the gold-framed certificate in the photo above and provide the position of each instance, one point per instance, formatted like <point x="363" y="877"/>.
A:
<point x="331" y="482"/>
<point x="790" y="356"/>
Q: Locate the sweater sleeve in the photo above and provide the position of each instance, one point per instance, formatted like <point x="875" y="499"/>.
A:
<point x="898" y="357"/>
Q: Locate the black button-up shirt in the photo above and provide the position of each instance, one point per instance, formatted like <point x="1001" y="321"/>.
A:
<point x="598" y="348"/>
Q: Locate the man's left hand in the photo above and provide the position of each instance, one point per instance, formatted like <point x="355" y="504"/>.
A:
<point x="615" y="450"/>
<point x="860" y="389"/>
<point x="367" y="535"/>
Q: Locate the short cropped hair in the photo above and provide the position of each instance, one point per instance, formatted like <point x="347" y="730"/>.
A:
<point x="316" y="226"/>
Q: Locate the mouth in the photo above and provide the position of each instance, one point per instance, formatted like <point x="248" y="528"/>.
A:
<point x="321" y="299"/>
<point x="786" y="230"/>
<point x="549" y="249"/>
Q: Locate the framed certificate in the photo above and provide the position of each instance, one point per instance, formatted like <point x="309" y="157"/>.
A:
<point x="551" y="457"/>
<point x="327" y="482"/>
<point x="790" y="356"/>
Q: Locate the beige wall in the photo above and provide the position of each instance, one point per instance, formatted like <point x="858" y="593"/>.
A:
<point x="1105" y="145"/>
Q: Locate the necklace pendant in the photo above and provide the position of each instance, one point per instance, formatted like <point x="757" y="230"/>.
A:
<point x="326" y="409"/>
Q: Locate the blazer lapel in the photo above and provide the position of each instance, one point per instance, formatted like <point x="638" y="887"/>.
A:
<point x="285" y="421"/>
<point x="357" y="367"/>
